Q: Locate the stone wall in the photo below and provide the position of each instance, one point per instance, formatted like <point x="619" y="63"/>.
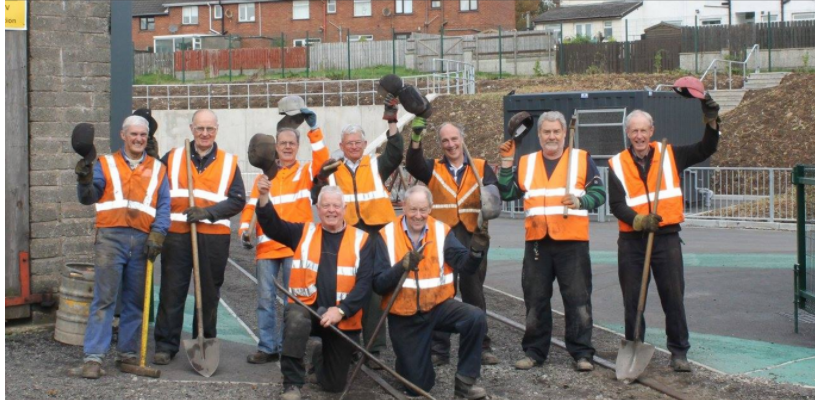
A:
<point x="69" y="83"/>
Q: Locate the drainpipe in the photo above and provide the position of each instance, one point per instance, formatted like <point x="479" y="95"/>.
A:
<point x="223" y="18"/>
<point x="260" y="19"/>
<point x="209" y="8"/>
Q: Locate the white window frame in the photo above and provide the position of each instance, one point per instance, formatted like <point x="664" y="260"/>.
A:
<point x="356" y="38"/>
<point x="331" y="7"/>
<point x="404" y="6"/>
<point x="608" y="29"/>
<point x="243" y="12"/>
<point x="435" y="4"/>
<point x="554" y="28"/>
<point x="300" y="9"/>
<point x="774" y="18"/>
<point x="189" y="15"/>
<point x="302" y="42"/>
<point x="362" y="8"/>
<point x="468" y="5"/>
<point x="710" y="21"/>
<point x="217" y="12"/>
<point x="803" y="16"/>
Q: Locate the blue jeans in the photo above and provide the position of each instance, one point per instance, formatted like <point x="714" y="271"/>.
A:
<point x="120" y="259"/>
<point x="271" y="336"/>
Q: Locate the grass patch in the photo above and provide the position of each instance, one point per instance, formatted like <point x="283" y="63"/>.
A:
<point x="330" y="74"/>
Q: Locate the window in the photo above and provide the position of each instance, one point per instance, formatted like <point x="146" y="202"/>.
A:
<point x="362" y="8"/>
<point x="553" y="28"/>
<point x="403" y="36"/>
<point x="607" y="30"/>
<point x="713" y="21"/>
<point x="331" y="7"/>
<point x="187" y="43"/>
<point x="189" y="15"/>
<point x="362" y="38"/>
<point x="246" y="12"/>
<point x="469" y="5"/>
<point x="404" y="6"/>
<point x="300" y="9"/>
<point x="302" y="42"/>
<point x="217" y="12"/>
<point x="803" y="16"/>
<point x="773" y="18"/>
<point x="435" y="4"/>
<point x="582" y="30"/>
<point x="147" y="24"/>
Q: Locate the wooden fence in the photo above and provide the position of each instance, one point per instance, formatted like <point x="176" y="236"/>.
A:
<point x="514" y="42"/>
<point x="324" y="56"/>
<point x="214" y="61"/>
<point x="644" y="56"/>
<point x="776" y="35"/>
<point x="153" y="63"/>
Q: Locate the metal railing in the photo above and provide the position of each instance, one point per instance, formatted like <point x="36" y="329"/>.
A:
<point x="459" y="78"/>
<point x="714" y="65"/>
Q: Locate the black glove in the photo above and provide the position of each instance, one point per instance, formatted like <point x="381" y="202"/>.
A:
<point x="410" y="262"/>
<point x="480" y="241"/>
<point x="391" y="108"/>
<point x="84" y="172"/>
<point x="152" y="248"/>
<point x="246" y="241"/>
<point x="418" y="125"/>
<point x="647" y="223"/>
<point x="329" y="167"/>
<point x="710" y="109"/>
<point x="152" y="147"/>
<point x="311" y="117"/>
<point x="195" y="214"/>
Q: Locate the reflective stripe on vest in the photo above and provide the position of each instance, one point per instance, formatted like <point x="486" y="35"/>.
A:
<point x="456" y="203"/>
<point x="371" y="197"/>
<point x="118" y="196"/>
<point x="179" y="194"/>
<point x="139" y="195"/>
<point x="672" y="188"/>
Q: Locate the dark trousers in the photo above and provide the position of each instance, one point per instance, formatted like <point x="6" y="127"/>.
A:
<point x="411" y="338"/>
<point x="176" y="273"/>
<point x="372" y="311"/>
<point x="567" y="261"/>
<point x="331" y="365"/>
<point x="668" y="272"/>
<point x="471" y="289"/>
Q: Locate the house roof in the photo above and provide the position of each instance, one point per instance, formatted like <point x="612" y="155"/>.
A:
<point x="177" y="3"/>
<point x="663" y="25"/>
<point x="589" y="11"/>
<point x="148" y="7"/>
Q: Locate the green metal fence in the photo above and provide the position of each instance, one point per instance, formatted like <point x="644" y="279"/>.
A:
<point x="803" y="176"/>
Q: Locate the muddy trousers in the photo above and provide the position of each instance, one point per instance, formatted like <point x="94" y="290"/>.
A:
<point x="176" y="275"/>
<point x="331" y="365"/>
<point x="372" y="311"/>
<point x="668" y="272"/>
<point x="567" y="261"/>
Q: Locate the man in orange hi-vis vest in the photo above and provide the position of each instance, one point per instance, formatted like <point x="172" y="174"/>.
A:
<point x="631" y="193"/>
<point x="332" y="269"/>
<point x="430" y="252"/>
<point x="291" y="194"/>
<point x="132" y="198"/>
<point x="557" y="245"/>
<point x="219" y="195"/>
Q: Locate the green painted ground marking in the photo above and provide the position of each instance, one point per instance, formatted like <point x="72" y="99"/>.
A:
<point x="741" y="356"/>
<point x="692" y="260"/>
<point x="228" y="327"/>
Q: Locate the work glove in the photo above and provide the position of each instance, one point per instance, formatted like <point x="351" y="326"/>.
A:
<point x="507" y="150"/>
<point x="246" y="241"/>
<point x="84" y="172"/>
<point x="710" y="109"/>
<point x="410" y="262"/>
<point x="647" y="223"/>
<point x="195" y="214"/>
<point x="152" y="248"/>
<point x="480" y="241"/>
<point x="311" y="117"/>
<point x="391" y="108"/>
<point x="152" y="147"/>
<point x="418" y="125"/>
<point x="329" y="167"/>
<point x="571" y="201"/>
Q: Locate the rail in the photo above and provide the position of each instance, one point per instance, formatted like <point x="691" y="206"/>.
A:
<point x="714" y="65"/>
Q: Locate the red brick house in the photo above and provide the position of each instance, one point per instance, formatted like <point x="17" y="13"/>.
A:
<point x="161" y="25"/>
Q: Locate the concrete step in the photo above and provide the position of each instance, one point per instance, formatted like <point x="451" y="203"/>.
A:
<point x="764" y="80"/>
<point x="728" y="99"/>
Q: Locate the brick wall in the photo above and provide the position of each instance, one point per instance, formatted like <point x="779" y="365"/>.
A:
<point x="69" y="82"/>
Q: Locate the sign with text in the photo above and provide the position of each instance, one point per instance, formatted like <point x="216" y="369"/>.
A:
<point x="16" y="15"/>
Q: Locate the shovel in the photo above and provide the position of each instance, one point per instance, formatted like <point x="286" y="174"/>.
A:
<point x="142" y="369"/>
<point x="204" y="354"/>
<point x="634" y="355"/>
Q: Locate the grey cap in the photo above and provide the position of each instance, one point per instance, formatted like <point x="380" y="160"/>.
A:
<point x="290" y="105"/>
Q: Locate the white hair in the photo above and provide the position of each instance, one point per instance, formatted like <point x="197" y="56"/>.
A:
<point x="552" y="116"/>
<point x="292" y="130"/>
<point x="330" y="190"/>
<point x="460" y="129"/>
<point x="350" y="130"/>
<point x="134" y="120"/>
<point x="419" y="189"/>
<point x="638" y="113"/>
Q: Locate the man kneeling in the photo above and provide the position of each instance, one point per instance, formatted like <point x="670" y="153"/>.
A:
<point x="425" y="302"/>
<point x="332" y="269"/>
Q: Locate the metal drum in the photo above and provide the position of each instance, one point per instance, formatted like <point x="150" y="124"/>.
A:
<point x="75" y="296"/>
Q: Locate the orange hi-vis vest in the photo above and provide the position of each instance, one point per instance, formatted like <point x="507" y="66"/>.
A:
<point x="542" y="200"/>
<point x="303" y="278"/>
<point x="671" y="204"/>
<point x="209" y="188"/>
<point x="130" y="196"/>
<point x="290" y="194"/>
<point x="365" y="195"/>
<point x="454" y="203"/>
<point x="433" y="283"/>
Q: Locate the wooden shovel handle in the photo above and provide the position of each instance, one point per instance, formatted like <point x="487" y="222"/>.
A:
<point x="194" y="237"/>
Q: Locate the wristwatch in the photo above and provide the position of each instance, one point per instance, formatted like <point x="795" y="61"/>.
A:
<point x="341" y="312"/>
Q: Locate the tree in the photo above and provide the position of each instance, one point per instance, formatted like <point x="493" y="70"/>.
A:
<point x="533" y="7"/>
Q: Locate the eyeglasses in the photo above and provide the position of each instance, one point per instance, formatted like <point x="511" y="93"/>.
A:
<point x="355" y="143"/>
<point x="202" y="129"/>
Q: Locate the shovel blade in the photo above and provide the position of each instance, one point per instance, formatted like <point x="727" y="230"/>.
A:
<point x="203" y="359"/>
<point x="632" y="359"/>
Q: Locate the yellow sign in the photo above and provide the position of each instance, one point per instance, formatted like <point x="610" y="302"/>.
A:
<point x="16" y="15"/>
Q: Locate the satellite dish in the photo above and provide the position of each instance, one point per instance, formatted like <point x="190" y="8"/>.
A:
<point x="229" y="13"/>
<point x="173" y="28"/>
<point x="386" y="12"/>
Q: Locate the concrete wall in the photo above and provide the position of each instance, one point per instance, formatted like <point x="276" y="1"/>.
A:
<point x="69" y="83"/>
<point x="523" y="66"/>
<point x="782" y="58"/>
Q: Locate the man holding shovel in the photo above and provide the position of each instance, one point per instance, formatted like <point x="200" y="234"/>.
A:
<point x="631" y="194"/>
<point x="558" y="186"/>
<point x="132" y="198"/>
<point x="219" y="194"/>
<point x="332" y="268"/>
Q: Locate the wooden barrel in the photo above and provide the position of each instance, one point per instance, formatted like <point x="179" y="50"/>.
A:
<point x="75" y="296"/>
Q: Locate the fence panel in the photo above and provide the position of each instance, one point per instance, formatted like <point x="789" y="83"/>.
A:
<point x="153" y="63"/>
<point x="324" y="56"/>
<point x="591" y="57"/>
<point x="250" y="58"/>
<point x="783" y="35"/>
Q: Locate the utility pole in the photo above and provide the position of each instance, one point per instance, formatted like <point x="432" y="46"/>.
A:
<point x="729" y="5"/>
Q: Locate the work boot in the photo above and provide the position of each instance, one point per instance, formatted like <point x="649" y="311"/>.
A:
<point x="465" y="388"/>
<point x="126" y="360"/>
<point x="162" y="358"/>
<point x="584" y="364"/>
<point x="680" y="364"/>
<point x="291" y="392"/>
<point x="261" y="357"/>
<point x="438" y="360"/>
<point x="488" y="358"/>
<point x="526" y="363"/>
<point x="371" y="364"/>
<point x="92" y="370"/>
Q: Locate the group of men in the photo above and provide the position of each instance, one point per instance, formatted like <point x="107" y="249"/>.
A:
<point x="348" y="265"/>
